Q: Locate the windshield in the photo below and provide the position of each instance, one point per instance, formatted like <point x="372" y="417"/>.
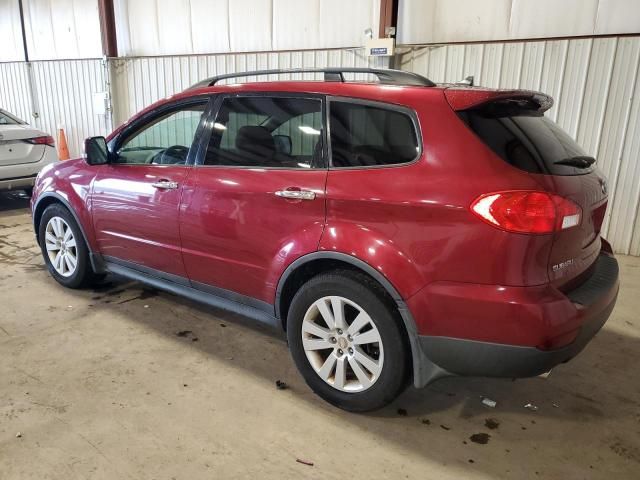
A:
<point x="529" y="141"/>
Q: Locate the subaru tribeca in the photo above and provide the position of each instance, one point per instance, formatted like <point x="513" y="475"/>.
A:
<point x="398" y="231"/>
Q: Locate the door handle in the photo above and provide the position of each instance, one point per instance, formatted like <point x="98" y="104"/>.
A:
<point x="296" y="194"/>
<point x="165" y="185"/>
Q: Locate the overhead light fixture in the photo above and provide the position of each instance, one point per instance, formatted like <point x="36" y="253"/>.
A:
<point x="309" y="130"/>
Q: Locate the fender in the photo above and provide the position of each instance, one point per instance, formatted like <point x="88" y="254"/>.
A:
<point x="38" y="209"/>
<point x="70" y="182"/>
<point x="375" y="245"/>
<point x="424" y="370"/>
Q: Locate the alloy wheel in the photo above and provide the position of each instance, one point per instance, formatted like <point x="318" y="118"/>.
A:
<point x="61" y="246"/>
<point x="342" y="343"/>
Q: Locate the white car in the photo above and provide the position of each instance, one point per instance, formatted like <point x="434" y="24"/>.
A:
<point x="24" y="150"/>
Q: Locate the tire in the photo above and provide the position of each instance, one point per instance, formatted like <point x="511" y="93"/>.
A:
<point x="385" y="378"/>
<point x="82" y="275"/>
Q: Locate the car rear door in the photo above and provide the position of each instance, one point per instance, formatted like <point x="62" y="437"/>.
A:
<point x="136" y="197"/>
<point x="256" y="200"/>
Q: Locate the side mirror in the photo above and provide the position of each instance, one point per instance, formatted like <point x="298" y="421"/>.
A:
<point x="96" y="151"/>
<point x="283" y="144"/>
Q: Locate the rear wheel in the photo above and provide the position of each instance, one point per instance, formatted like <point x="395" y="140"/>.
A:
<point x="347" y="341"/>
<point x="64" y="249"/>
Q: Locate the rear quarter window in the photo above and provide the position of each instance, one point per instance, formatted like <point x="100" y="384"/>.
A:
<point x="367" y="135"/>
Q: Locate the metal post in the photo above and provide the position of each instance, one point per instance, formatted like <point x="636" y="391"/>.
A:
<point x="30" y="79"/>
<point x="108" y="28"/>
<point x="109" y="52"/>
<point x="24" y="36"/>
<point x="108" y="73"/>
<point x="388" y="23"/>
<point x="388" y="16"/>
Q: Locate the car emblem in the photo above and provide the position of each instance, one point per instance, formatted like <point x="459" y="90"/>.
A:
<point x="563" y="265"/>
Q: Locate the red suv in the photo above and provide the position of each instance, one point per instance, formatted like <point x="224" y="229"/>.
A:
<point x="397" y="230"/>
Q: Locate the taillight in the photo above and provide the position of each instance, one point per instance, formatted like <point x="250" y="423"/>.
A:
<point x="44" y="140"/>
<point x="527" y="211"/>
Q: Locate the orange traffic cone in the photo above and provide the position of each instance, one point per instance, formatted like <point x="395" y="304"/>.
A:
<point x="63" y="149"/>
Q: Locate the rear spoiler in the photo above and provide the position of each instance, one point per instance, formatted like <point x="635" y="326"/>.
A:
<point x="472" y="98"/>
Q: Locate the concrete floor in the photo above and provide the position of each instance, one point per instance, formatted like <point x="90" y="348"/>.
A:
<point x="100" y="386"/>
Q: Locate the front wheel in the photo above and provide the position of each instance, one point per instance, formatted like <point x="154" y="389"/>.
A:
<point x="347" y="341"/>
<point x="64" y="249"/>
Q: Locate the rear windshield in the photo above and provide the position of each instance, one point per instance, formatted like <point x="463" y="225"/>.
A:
<point x="529" y="141"/>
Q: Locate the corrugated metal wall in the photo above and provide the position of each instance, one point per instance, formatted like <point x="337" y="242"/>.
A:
<point x="69" y="29"/>
<point x="596" y="87"/>
<point x="63" y="90"/>
<point x="65" y="96"/>
<point x="595" y="83"/>
<point x="455" y="21"/>
<point x="14" y="89"/>
<point x="181" y="27"/>
<point x="62" y="94"/>
<point x="138" y="82"/>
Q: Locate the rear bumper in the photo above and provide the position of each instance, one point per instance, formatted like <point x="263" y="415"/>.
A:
<point x="586" y="309"/>
<point x="23" y="175"/>
<point x="17" y="183"/>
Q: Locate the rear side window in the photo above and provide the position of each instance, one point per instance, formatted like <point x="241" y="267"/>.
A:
<point x="262" y="131"/>
<point x="365" y="135"/>
<point x="528" y="141"/>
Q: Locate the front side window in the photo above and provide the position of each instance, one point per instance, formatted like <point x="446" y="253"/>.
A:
<point x="165" y="140"/>
<point x="364" y="135"/>
<point x="275" y="132"/>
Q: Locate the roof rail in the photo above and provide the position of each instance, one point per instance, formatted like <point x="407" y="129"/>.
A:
<point x="386" y="76"/>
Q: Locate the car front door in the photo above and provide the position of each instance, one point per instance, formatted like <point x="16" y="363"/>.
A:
<point x="136" y="197"/>
<point x="256" y="200"/>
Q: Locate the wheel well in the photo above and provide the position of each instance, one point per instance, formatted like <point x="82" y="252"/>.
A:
<point x="310" y="269"/>
<point x="307" y="271"/>
<point x="40" y="208"/>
